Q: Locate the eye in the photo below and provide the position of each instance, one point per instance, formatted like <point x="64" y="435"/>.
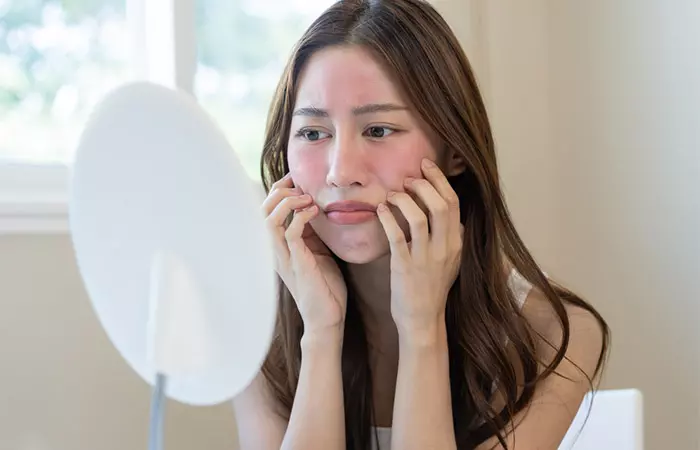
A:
<point x="311" y="135"/>
<point x="378" y="132"/>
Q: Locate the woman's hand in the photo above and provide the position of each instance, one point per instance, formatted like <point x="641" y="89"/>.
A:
<point x="303" y="261"/>
<point x="423" y="271"/>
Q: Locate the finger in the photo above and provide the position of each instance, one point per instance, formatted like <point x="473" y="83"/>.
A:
<point x="437" y="209"/>
<point x="275" y="226"/>
<point x="278" y="191"/>
<point x="417" y="222"/>
<point x="276" y="196"/>
<point x="294" y="234"/>
<point x="308" y="231"/>
<point x="397" y="240"/>
<point x="313" y="242"/>
<point x="438" y="179"/>
<point x="284" y="182"/>
<point x="279" y="215"/>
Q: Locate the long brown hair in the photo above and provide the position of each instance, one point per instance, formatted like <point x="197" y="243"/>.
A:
<point x="417" y="48"/>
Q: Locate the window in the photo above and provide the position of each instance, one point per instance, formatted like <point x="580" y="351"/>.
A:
<point x="57" y="58"/>
<point x="242" y="48"/>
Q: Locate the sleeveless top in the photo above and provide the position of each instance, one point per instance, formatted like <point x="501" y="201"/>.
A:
<point x="521" y="289"/>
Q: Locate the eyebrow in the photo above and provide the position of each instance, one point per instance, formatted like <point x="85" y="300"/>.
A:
<point x="312" y="111"/>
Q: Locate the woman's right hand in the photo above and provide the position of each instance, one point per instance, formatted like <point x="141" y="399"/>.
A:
<point x="303" y="261"/>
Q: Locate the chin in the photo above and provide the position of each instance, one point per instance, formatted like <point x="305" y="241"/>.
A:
<point x="358" y="245"/>
<point x="360" y="256"/>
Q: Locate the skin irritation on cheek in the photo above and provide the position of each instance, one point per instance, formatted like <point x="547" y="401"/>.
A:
<point x="390" y="168"/>
<point x="394" y="168"/>
<point x="388" y="163"/>
<point x="305" y="168"/>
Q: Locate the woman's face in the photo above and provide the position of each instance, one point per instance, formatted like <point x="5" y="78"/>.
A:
<point x="353" y="139"/>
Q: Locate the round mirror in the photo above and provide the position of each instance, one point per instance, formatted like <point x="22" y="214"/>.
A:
<point x="170" y="242"/>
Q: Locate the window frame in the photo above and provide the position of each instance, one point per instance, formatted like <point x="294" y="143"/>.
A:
<point x="34" y="197"/>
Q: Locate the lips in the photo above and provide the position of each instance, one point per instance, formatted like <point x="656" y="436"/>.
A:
<point x="350" y="212"/>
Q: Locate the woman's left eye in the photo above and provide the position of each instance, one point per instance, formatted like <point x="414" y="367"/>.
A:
<point x="379" y="132"/>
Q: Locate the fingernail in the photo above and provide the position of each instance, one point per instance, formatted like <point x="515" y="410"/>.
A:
<point x="382" y="207"/>
<point x="409" y="180"/>
<point x="428" y="163"/>
<point x="390" y="194"/>
<point x="305" y="197"/>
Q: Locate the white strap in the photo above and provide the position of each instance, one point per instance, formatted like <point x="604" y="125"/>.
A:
<point x="519" y="286"/>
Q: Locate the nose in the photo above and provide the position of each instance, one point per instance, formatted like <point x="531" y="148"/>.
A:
<point x="346" y="166"/>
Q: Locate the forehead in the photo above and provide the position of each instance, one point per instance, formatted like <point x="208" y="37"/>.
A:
<point x="344" y="76"/>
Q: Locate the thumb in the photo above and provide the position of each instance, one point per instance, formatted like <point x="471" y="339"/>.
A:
<point x="313" y="242"/>
<point x="308" y="231"/>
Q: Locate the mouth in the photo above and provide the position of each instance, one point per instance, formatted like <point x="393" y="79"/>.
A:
<point x="350" y="212"/>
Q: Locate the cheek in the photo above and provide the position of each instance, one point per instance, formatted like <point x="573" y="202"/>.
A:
<point x="308" y="169"/>
<point x="401" y="161"/>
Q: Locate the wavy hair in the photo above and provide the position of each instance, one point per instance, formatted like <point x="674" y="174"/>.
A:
<point x="419" y="51"/>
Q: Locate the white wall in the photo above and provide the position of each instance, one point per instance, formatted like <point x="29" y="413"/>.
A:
<point x="596" y="106"/>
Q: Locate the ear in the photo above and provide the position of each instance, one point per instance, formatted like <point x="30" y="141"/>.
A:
<point x="455" y="163"/>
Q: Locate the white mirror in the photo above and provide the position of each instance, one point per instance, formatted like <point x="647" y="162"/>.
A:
<point x="170" y="243"/>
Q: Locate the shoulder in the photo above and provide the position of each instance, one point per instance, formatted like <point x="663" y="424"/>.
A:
<point x="555" y="399"/>
<point x="585" y="341"/>
<point x="587" y="335"/>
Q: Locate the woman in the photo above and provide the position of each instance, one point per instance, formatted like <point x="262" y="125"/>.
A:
<point x="411" y="315"/>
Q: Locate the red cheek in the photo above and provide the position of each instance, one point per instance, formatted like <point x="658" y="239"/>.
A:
<point x="308" y="169"/>
<point x="393" y="167"/>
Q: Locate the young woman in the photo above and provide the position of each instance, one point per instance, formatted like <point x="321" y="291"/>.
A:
<point x="411" y="315"/>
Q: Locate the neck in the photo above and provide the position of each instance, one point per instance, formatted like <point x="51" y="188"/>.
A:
<point x="371" y="282"/>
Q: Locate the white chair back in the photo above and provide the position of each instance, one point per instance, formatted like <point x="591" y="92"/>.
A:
<point x="615" y="422"/>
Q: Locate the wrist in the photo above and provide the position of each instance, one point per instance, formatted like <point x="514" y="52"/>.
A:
<point x="323" y="339"/>
<point x="423" y="333"/>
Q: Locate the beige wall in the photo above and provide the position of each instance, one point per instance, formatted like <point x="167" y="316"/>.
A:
<point x="515" y="38"/>
<point x="62" y="384"/>
<point x="595" y="106"/>
<point x="626" y="115"/>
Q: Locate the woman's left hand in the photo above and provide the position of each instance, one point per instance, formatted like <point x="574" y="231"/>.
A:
<point x="423" y="271"/>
